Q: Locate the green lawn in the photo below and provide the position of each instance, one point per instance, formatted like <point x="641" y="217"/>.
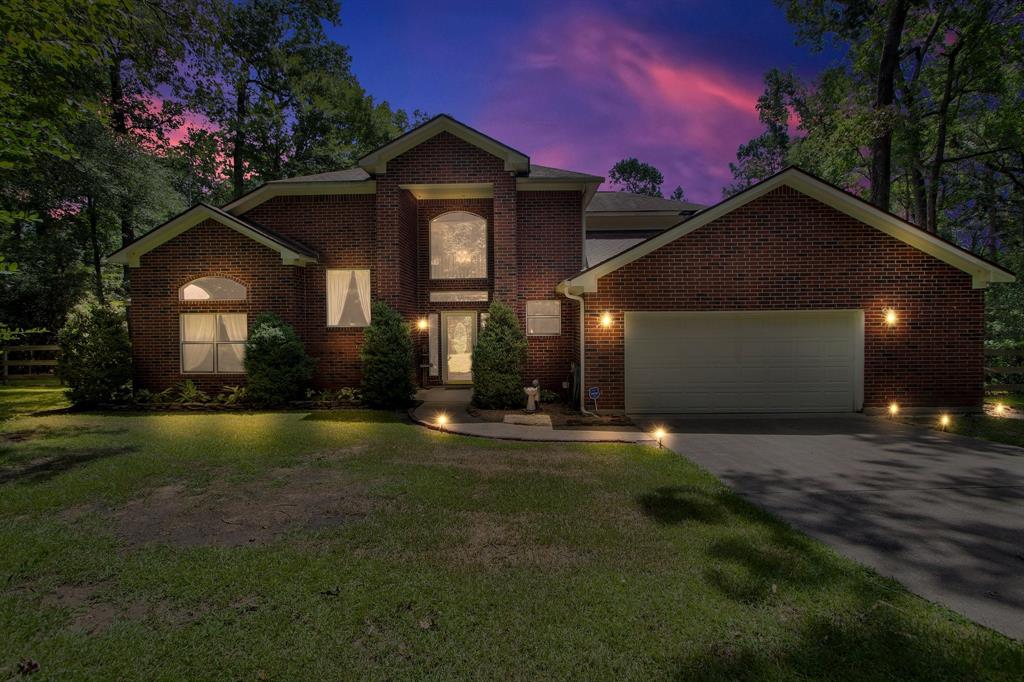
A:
<point x="987" y="427"/>
<point x="270" y="546"/>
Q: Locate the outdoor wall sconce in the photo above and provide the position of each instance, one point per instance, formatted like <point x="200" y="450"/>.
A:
<point x="606" y="319"/>
<point x="422" y="324"/>
<point x="890" y="317"/>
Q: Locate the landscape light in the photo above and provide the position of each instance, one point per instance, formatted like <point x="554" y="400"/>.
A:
<point x="890" y="317"/>
<point x="422" y="324"/>
<point x="442" y="419"/>
<point x="606" y="319"/>
<point x="894" y="409"/>
<point x="659" y="435"/>
<point x="944" y="421"/>
<point x="1000" y="409"/>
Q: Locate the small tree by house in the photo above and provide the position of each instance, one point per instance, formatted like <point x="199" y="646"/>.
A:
<point x="277" y="367"/>
<point x="497" y="361"/>
<point x="96" y="356"/>
<point x="387" y="360"/>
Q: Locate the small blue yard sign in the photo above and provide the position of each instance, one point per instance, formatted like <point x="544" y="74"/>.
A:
<point x="594" y="392"/>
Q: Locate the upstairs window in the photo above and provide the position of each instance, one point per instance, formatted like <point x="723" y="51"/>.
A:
<point x="348" y="298"/>
<point x="212" y="289"/>
<point x="458" y="246"/>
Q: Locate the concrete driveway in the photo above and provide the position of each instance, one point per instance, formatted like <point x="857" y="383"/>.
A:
<point x="942" y="514"/>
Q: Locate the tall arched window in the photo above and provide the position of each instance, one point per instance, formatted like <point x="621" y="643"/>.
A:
<point x="212" y="289"/>
<point x="458" y="246"/>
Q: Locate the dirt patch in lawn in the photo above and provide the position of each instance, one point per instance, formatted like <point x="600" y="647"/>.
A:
<point x="228" y="514"/>
<point x="496" y="541"/>
<point x="90" y="613"/>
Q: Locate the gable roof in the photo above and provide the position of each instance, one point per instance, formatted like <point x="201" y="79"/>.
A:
<point x="981" y="270"/>
<point x="377" y="160"/>
<point x="292" y="252"/>
<point x="629" y="202"/>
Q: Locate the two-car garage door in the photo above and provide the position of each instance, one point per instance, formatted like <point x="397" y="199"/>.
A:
<point x="777" y="361"/>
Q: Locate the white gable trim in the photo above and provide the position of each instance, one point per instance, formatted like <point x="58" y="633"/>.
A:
<point x="376" y="162"/>
<point x="290" y="189"/>
<point x="982" y="272"/>
<point x="131" y="255"/>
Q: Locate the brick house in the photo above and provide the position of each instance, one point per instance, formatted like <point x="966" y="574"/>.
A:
<point x="791" y="296"/>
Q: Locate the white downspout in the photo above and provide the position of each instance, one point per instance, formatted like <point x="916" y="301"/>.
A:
<point x="583" y="351"/>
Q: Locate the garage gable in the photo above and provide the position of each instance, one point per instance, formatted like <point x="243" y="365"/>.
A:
<point x="982" y="271"/>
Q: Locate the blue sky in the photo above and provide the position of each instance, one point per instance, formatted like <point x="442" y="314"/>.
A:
<point x="581" y="85"/>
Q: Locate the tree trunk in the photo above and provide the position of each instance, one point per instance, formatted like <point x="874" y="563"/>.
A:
<point x="94" y="239"/>
<point x="885" y="95"/>
<point x="238" y="143"/>
<point x="118" y="111"/>
<point x="941" y="129"/>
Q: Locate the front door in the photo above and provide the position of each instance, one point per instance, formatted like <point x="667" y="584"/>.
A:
<point x="458" y="336"/>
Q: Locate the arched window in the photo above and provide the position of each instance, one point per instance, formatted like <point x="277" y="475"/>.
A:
<point x="212" y="289"/>
<point x="458" y="246"/>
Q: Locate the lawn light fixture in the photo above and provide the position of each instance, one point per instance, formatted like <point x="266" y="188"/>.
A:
<point x="890" y="317"/>
<point x="944" y="421"/>
<point x="442" y="419"/>
<point x="422" y="324"/>
<point x="1001" y="409"/>
<point x="606" y="319"/>
<point x="894" y="409"/>
<point x="659" y="435"/>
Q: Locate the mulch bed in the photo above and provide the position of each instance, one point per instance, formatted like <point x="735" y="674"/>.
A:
<point x="562" y="417"/>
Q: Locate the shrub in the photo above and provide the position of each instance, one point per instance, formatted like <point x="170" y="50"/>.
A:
<point x="96" y="356"/>
<point x="497" y="360"/>
<point x="276" y="365"/>
<point x="387" y="360"/>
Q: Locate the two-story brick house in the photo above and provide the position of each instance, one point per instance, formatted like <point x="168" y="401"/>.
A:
<point x="792" y="296"/>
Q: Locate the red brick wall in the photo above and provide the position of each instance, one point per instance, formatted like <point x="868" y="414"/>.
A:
<point x="550" y="250"/>
<point x="534" y="242"/>
<point x="340" y="229"/>
<point x="209" y="249"/>
<point x="786" y="251"/>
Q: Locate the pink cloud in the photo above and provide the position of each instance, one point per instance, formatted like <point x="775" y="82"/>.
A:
<point x="591" y="90"/>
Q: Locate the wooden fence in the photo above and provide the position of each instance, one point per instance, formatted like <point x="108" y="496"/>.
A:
<point x="1004" y="369"/>
<point x="28" y="357"/>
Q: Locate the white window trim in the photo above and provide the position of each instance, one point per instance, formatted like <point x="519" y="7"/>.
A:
<point x="557" y="318"/>
<point x="327" y="299"/>
<point x="430" y="248"/>
<point x="215" y="343"/>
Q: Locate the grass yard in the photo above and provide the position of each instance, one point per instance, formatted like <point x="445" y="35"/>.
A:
<point x="270" y="546"/>
<point x="984" y="426"/>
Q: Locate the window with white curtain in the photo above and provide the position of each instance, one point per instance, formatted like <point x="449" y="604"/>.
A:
<point x="348" y="298"/>
<point x="212" y="289"/>
<point x="458" y="246"/>
<point x="543" y="318"/>
<point x="213" y="343"/>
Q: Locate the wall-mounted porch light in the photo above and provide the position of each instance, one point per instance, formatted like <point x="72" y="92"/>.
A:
<point x="422" y="324"/>
<point x="606" y="319"/>
<point x="890" y="317"/>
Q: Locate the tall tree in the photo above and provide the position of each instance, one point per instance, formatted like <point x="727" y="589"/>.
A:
<point x="633" y="175"/>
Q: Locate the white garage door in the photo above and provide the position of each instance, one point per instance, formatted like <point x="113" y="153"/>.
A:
<point x="792" y="361"/>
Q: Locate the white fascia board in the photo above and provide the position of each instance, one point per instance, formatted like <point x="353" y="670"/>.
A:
<point x="451" y="190"/>
<point x="982" y="273"/>
<point x="285" y="189"/>
<point x="131" y="255"/>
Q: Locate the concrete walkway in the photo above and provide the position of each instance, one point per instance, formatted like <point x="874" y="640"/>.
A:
<point x="942" y="514"/>
<point x="453" y="403"/>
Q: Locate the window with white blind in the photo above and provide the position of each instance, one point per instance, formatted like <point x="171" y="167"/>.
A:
<point x="458" y="246"/>
<point x="213" y="343"/>
<point x="348" y="298"/>
<point x="543" y="318"/>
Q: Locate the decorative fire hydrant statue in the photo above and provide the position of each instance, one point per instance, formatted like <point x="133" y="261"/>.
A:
<point x="531" y="396"/>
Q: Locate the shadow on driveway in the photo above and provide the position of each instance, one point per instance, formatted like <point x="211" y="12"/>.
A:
<point x="942" y="514"/>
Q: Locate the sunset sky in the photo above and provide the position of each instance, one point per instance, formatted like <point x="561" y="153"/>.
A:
<point x="581" y="85"/>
